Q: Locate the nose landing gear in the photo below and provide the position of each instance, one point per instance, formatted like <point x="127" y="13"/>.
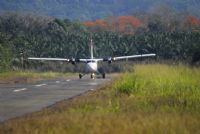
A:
<point x="92" y="76"/>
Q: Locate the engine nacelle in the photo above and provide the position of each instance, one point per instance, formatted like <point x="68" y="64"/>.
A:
<point x="109" y="60"/>
<point x="73" y="61"/>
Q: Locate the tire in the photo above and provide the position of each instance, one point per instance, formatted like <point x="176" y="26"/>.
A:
<point x="103" y="75"/>
<point x="80" y="76"/>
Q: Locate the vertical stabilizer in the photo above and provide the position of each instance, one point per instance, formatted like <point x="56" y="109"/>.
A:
<point x="91" y="49"/>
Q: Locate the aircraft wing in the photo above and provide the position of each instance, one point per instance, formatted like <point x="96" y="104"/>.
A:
<point x="82" y="60"/>
<point x="133" y="56"/>
<point x="110" y="59"/>
<point x="49" y="59"/>
<point x="72" y="60"/>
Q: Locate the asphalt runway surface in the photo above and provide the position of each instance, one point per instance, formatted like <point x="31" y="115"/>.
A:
<point x="19" y="99"/>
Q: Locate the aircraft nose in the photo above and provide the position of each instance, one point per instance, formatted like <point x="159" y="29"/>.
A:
<point x="92" y="67"/>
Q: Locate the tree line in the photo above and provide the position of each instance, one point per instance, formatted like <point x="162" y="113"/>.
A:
<point x="23" y="36"/>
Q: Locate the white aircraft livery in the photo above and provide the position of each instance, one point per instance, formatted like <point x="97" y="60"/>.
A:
<point x="92" y="63"/>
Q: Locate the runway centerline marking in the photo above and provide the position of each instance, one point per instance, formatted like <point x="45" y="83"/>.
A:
<point x="40" y="85"/>
<point x="93" y="84"/>
<point x="68" y="80"/>
<point x="19" y="90"/>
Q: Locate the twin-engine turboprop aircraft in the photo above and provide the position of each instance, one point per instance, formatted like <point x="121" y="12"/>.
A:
<point x="92" y="63"/>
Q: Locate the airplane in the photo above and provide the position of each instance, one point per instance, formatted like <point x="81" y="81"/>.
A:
<point x="92" y="63"/>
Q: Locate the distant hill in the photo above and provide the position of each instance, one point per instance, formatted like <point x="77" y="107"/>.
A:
<point x="95" y="9"/>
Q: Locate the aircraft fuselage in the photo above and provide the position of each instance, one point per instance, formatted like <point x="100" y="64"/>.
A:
<point x="92" y="66"/>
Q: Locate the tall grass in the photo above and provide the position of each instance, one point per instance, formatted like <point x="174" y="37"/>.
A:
<point x="152" y="99"/>
<point x="163" y="87"/>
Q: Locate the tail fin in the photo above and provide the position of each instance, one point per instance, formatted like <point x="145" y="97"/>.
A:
<point x="91" y="49"/>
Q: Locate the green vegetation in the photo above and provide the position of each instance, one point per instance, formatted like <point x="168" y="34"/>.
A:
<point x="29" y="76"/>
<point x="152" y="99"/>
<point x="168" y="88"/>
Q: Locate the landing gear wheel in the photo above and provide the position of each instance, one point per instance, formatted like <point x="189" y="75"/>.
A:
<point x="92" y="76"/>
<point x="103" y="75"/>
<point x="80" y="76"/>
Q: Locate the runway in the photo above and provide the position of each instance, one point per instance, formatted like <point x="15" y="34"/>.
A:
<point x="20" y="99"/>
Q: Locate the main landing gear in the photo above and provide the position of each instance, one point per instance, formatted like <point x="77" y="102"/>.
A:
<point x="103" y="75"/>
<point x="80" y="76"/>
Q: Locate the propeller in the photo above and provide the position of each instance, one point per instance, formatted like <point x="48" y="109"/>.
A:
<point x="109" y="60"/>
<point x="74" y="60"/>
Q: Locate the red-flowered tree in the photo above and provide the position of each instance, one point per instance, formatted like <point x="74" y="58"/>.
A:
<point x="124" y="24"/>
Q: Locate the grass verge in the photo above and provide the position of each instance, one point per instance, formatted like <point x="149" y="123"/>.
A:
<point x="29" y="76"/>
<point x="152" y="99"/>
